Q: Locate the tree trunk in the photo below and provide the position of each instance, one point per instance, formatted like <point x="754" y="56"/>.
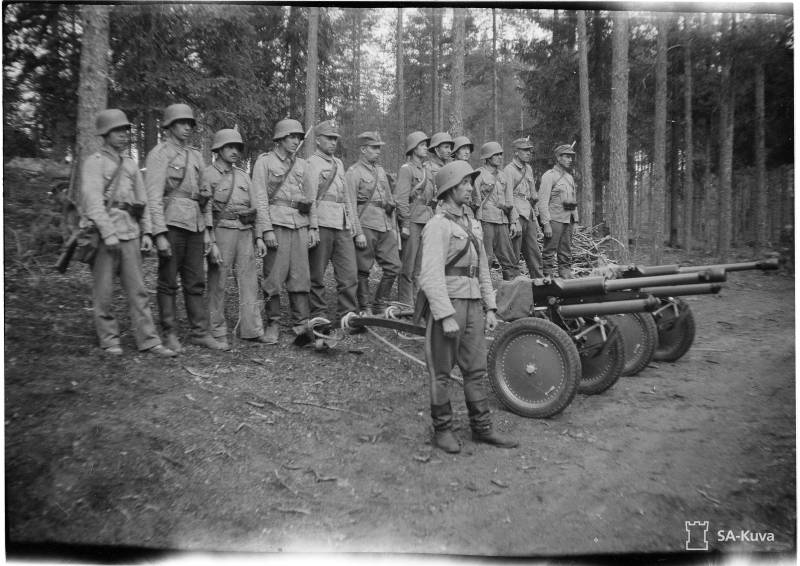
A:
<point x="615" y="201"/>
<point x="435" y="69"/>
<point x="93" y="82"/>
<point x="688" y="214"/>
<point x="459" y="33"/>
<point x="761" y="160"/>
<point x="401" y="85"/>
<point x="355" y="103"/>
<point x="586" y="199"/>
<point x="726" y="116"/>
<point x="659" y="142"/>
<point x="495" y="125"/>
<point x="311" y="75"/>
<point x="709" y="195"/>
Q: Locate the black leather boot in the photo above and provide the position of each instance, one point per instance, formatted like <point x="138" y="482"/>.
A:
<point x="382" y="295"/>
<point x="166" y="310"/>
<point x="443" y="436"/>
<point x="480" y="422"/>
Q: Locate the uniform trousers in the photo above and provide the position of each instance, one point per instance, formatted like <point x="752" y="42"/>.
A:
<point x="337" y="247"/>
<point x="188" y="259"/>
<point x="559" y="246"/>
<point x="497" y="241"/>
<point x="528" y="244"/>
<point x="237" y="250"/>
<point x="127" y="262"/>
<point x="381" y="247"/>
<point x="289" y="264"/>
<point x="411" y="257"/>
<point x="467" y="349"/>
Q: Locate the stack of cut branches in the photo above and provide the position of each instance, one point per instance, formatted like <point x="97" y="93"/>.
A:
<point x="589" y="249"/>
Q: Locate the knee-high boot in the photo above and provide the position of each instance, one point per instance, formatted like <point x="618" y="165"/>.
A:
<point x="443" y="437"/>
<point x="480" y="421"/>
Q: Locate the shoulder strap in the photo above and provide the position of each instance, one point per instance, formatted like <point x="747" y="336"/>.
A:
<point x="227" y="200"/>
<point x="323" y="187"/>
<point x="471" y="239"/>
<point x="274" y="190"/>
<point x="522" y="178"/>
<point x="113" y="181"/>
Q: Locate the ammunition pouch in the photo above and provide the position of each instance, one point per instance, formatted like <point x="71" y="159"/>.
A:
<point x="569" y="206"/>
<point x="247" y="217"/>
<point x="388" y="208"/>
<point x="88" y="243"/>
<point x="304" y="206"/>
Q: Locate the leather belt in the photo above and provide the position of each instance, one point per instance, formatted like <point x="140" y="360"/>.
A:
<point x="462" y="271"/>
<point x="228" y="215"/>
<point x="375" y="203"/>
<point x="331" y="198"/>
<point x="285" y="202"/>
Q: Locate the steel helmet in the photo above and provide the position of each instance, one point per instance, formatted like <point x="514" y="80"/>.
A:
<point x="438" y="139"/>
<point x="109" y="119"/>
<point x="175" y="112"/>
<point x="461" y="141"/>
<point x="490" y="148"/>
<point x="414" y="139"/>
<point x="452" y="174"/>
<point x="287" y="127"/>
<point x="226" y="136"/>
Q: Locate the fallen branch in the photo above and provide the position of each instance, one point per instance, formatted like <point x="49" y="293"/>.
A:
<point x="707" y="496"/>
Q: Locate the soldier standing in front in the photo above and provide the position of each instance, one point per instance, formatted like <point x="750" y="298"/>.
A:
<point x="558" y="210"/>
<point x="375" y="204"/>
<point x="290" y="230"/>
<point x="239" y="221"/>
<point x="496" y="210"/>
<point x="455" y="279"/>
<point x="114" y="198"/>
<point x="520" y="176"/>
<point x="182" y="223"/>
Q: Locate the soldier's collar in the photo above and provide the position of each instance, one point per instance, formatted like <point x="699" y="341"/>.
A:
<point x="325" y="156"/>
<point x="222" y="169"/>
<point x="517" y="163"/>
<point x="452" y="212"/>
<point x="111" y="152"/>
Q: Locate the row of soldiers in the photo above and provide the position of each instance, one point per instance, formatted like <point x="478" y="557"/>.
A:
<point x="298" y="216"/>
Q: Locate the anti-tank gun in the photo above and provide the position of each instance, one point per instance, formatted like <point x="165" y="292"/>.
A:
<point x="534" y="378"/>
<point x="673" y="318"/>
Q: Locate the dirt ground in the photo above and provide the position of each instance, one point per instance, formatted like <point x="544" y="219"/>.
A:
<point x="276" y="449"/>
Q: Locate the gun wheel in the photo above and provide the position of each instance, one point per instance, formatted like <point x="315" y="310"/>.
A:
<point x="675" y="331"/>
<point x="639" y="338"/>
<point x="533" y="368"/>
<point x="602" y="359"/>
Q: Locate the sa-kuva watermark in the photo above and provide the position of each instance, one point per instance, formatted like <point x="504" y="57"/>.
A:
<point x="697" y="535"/>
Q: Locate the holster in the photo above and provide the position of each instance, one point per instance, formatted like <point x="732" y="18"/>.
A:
<point x="422" y="308"/>
<point x="304" y="206"/>
<point x="569" y="206"/>
<point x="388" y="208"/>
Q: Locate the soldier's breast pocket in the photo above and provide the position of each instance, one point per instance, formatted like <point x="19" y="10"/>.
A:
<point x="477" y="230"/>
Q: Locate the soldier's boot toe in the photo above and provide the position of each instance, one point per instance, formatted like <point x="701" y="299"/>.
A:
<point x="171" y="341"/>
<point x="494" y="438"/>
<point x="447" y="441"/>
<point x="161" y="350"/>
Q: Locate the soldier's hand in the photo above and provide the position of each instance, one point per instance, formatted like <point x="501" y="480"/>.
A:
<point x="361" y="241"/>
<point x="261" y="248"/>
<point x="514" y="229"/>
<point x="163" y="247"/>
<point x="491" y="321"/>
<point x="313" y="237"/>
<point x="147" y="243"/>
<point x="548" y="231"/>
<point x="214" y="255"/>
<point x="270" y="239"/>
<point x="112" y="243"/>
<point x="450" y="327"/>
<point x="207" y="243"/>
<point x="405" y="233"/>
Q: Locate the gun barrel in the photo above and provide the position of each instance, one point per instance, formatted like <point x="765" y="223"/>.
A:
<point x="66" y="256"/>
<point x="682" y="290"/>
<point x="764" y="265"/>
<point x="566" y="288"/>
<point x="647" y="270"/>
<point x="648" y="304"/>
<point x="707" y="276"/>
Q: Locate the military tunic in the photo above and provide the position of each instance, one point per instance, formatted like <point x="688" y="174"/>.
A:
<point x="520" y="177"/>
<point x="108" y="210"/>
<point x="231" y="194"/>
